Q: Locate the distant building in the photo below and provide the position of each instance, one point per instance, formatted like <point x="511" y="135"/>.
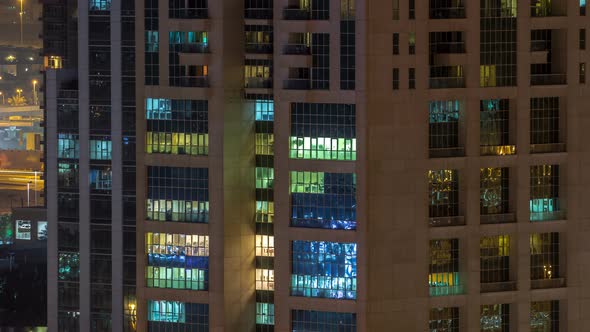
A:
<point x="23" y="271"/>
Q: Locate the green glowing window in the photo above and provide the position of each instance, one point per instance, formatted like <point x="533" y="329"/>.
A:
<point x="264" y="177"/>
<point x="323" y="131"/>
<point x="265" y="313"/>
<point x="265" y="211"/>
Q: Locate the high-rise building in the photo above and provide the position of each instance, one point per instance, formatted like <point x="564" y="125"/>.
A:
<point x="322" y="165"/>
<point x="90" y="164"/>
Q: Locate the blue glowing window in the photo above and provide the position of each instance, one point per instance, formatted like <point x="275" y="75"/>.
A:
<point x="101" y="148"/>
<point x="308" y="320"/>
<point x="323" y="200"/>
<point x="177" y="316"/>
<point x="323" y="269"/>
<point x="68" y="146"/>
<point x="99" y="5"/>
<point x="265" y="110"/>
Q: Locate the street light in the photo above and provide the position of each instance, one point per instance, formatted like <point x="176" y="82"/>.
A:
<point x="35" y="92"/>
<point x="18" y="92"/>
<point x="2" y="94"/>
<point x="21" y="22"/>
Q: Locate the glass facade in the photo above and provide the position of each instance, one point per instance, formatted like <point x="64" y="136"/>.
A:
<point x="177" y="261"/>
<point x="544" y="193"/>
<point x="444" y="123"/>
<point x="323" y="200"/>
<point x="494" y="129"/>
<point x="544" y="256"/>
<point x="177" y="194"/>
<point x="309" y="320"/>
<point x="168" y="316"/>
<point x="444" y="278"/>
<point x="177" y="126"/>
<point x="323" y="131"/>
<point x="494" y="191"/>
<point x="544" y="316"/>
<point x="443" y="193"/>
<point x="498" y="43"/>
<point x="324" y="269"/>
<point x="495" y="318"/>
<point x="444" y="320"/>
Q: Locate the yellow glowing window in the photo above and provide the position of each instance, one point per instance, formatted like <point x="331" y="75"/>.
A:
<point x="487" y="76"/>
<point x="265" y="279"/>
<point x="265" y="245"/>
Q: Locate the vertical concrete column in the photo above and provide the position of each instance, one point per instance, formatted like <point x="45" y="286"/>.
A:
<point x="117" y="170"/>
<point x="83" y="125"/>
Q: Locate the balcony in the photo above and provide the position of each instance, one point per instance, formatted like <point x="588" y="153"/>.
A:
<point x="504" y="286"/>
<point x="297" y="84"/>
<point x="447" y="13"/>
<point x="547" y="8"/>
<point x="195" y="82"/>
<point x="548" y="79"/>
<point x="259" y="48"/>
<point x="497" y="218"/>
<point x="548" y="283"/>
<point x="258" y="83"/>
<point x="546" y="209"/>
<point x="258" y="13"/>
<point x="297" y="49"/>
<point x="446" y="221"/>
<point x="447" y="82"/>
<point x="189" y="13"/>
<point x="296" y="14"/>
<point x="497" y="150"/>
<point x="447" y="47"/>
<point x="548" y="148"/>
<point x="446" y="152"/>
<point x="540" y="45"/>
<point x="194" y="48"/>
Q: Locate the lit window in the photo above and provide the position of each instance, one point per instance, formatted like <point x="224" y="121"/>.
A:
<point x="324" y="269"/>
<point x="265" y="211"/>
<point x="100" y="148"/>
<point x="323" y="200"/>
<point x="178" y="194"/>
<point x="544" y="193"/>
<point x="177" y="126"/>
<point x="544" y="256"/>
<point x="265" y="313"/>
<point x="264" y="177"/>
<point x="99" y="5"/>
<point x="163" y="315"/>
<point x="68" y="146"/>
<point x="177" y="261"/>
<point x="264" y="110"/>
<point x="265" y="279"/>
<point x="265" y="245"/>
<point x="323" y="131"/>
<point x="444" y="276"/>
